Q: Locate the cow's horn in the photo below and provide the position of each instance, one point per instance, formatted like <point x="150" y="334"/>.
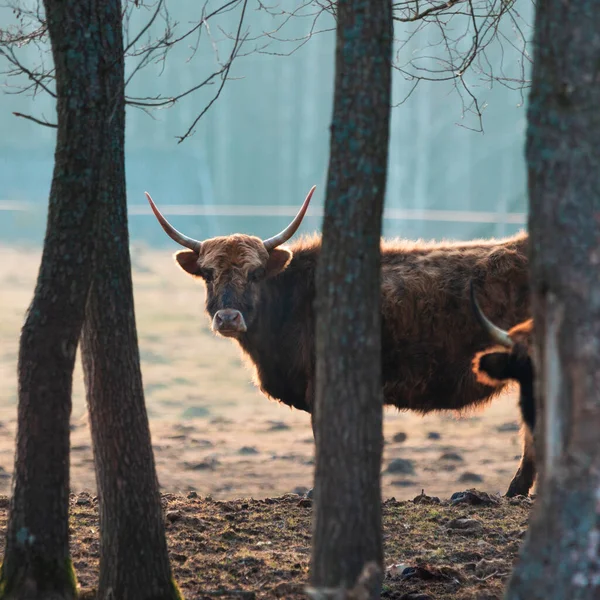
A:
<point x="291" y="229"/>
<point x="498" y="335"/>
<point x="184" y="240"/>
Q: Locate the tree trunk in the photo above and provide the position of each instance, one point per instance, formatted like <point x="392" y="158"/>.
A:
<point x="348" y="423"/>
<point x="133" y="551"/>
<point x="561" y="555"/>
<point x="134" y="562"/>
<point x="36" y="562"/>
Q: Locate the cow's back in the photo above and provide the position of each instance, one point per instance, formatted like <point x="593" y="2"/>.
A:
<point x="429" y="331"/>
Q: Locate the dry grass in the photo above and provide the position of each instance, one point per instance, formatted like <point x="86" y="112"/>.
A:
<point x="262" y="547"/>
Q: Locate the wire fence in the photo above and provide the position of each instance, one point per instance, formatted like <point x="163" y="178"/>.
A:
<point x="240" y="210"/>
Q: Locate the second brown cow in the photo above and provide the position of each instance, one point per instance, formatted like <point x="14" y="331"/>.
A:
<point x="510" y="359"/>
<point x="261" y="294"/>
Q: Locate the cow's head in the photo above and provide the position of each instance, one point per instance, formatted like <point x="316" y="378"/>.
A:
<point x="509" y="359"/>
<point x="233" y="268"/>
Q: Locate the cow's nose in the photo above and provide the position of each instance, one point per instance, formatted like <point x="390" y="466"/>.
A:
<point x="229" y="320"/>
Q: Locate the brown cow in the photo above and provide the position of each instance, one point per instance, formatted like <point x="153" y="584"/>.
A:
<point x="510" y="360"/>
<point x="262" y="294"/>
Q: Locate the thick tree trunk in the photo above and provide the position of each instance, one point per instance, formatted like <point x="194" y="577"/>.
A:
<point x="36" y="562"/>
<point x="561" y="555"/>
<point x="134" y="563"/>
<point x="347" y="520"/>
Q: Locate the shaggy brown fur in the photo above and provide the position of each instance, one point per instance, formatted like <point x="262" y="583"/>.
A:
<point x="429" y="333"/>
<point x="496" y="366"/>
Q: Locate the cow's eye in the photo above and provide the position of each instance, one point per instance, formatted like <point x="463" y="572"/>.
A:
<point x="207" y="274"/>
<point x="257" y="274"/>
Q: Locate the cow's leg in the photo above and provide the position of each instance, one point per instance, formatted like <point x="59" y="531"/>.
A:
<point x="525" y="475"/>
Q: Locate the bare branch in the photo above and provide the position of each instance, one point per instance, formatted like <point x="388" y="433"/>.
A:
<point x="237" y="44"/>
<point x="38" y="121"/>
<point x="418" y="16"/>
<point x="464" y="42"/>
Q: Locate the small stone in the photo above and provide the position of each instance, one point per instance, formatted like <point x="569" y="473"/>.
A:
<point x="399" y="437"/>
<point x="277" y="426"/>
<point x="463" y="524"/>
<point x="247" y="450"/>
<point x="434" y="435"/>
<point x="401" y="465"/>
<point x="508" y="427"/>
<point x="192" y="494"/>
<point x="485" y="567"/>
<point x="422" y="498"/>
<point x="173" y="515"/>
<point x="203" y="465"/>
<point x="180" y="558"/>
<point x="396" y="570"/>
<point x="473" y="497"/>
<point x="300" y="490"/>
<point x="468" y="477"/>
<point x="451" y="456"/>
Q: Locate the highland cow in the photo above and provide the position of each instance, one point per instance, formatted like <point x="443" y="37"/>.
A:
<point x="510" y="360"/>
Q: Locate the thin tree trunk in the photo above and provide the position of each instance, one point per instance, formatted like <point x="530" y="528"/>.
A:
<point x="36" y="562"/>
<point x="348" y="424"/>
<point x="134" y="562"/>
<point x="561" y="555"/>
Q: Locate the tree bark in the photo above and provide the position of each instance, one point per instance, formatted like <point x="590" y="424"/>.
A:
<point x="37" y="562"/>
<point x="561" y="555"/>
<point x="134" y="562"/>
<point x="348" y="420"/>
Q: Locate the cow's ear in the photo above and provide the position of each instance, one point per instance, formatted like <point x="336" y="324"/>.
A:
<point x="493" y="368"/>
<point x="279" y="259"/>
<point x="188" y="261"/>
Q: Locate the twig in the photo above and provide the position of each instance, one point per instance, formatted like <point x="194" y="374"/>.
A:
<point x="237" y="44"/>
<point x="38" y="121"/>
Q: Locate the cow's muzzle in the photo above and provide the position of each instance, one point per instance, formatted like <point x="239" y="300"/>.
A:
<point x="229" y="322"/>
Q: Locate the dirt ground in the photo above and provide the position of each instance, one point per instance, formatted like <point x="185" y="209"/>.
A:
<point x="253" y="549"/>
<point x="214" y="433"/>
